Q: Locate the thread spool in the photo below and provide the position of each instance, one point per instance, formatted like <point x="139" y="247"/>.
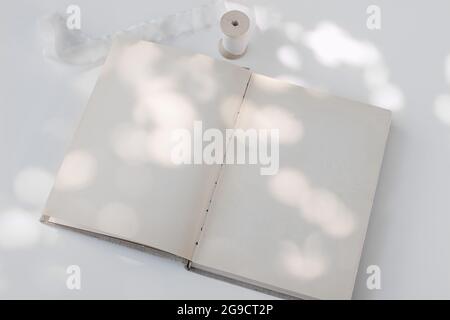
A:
<point x="235" y="26"/>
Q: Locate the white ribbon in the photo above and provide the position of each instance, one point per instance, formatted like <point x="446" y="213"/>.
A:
<point x="76" y="47"/>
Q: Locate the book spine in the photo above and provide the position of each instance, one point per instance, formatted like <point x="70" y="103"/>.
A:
<point x="217" y="179"/>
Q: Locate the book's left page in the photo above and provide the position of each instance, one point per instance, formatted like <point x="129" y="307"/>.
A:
<point x="118" y="177"/>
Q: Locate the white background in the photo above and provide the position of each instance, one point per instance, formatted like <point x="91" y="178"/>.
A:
<point x="322" y="44"/>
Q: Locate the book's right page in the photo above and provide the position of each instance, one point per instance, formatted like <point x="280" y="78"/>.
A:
<point x="300" y="230"/>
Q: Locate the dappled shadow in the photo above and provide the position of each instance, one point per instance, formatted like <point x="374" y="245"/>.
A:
<point x="317" y="206"/>
<point x="329" y="164"/>
<point x="297" y="53"/>
<point x="277" y="50"/>
<point x="141" y="140"/>
<point x="442" y="101"/>
<point x="126" y="139"/>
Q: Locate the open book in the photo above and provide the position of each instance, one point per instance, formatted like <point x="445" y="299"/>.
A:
<point x="297" y="230"/>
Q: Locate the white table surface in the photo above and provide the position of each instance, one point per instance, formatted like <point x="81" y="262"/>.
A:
<point x="323" y="44"/>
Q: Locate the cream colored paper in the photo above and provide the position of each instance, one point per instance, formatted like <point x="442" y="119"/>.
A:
<point x="117" y="177"/>
<point x="299" y="232"/>
<point x="302" y="230"/>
